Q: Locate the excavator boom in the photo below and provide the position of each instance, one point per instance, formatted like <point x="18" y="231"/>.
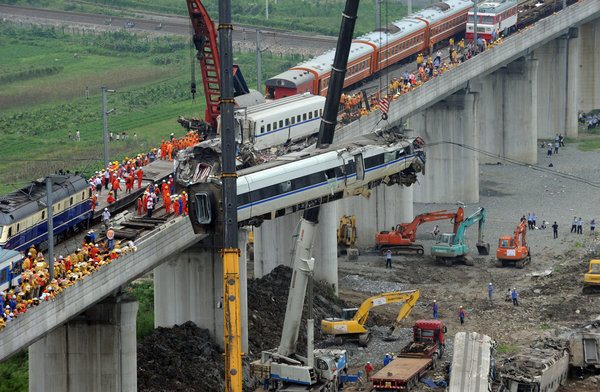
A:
<point x="355" y="327"/>
<point x="401" y="239"/>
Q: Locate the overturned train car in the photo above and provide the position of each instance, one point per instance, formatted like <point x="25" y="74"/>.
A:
<point x="303" y="180"/>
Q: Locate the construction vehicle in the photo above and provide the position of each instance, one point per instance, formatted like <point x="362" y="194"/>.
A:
<point x="205" y="42"/>
<point x="402" y="238"/>
<point x="451" y="246"/>
<point x="591" y="280"/>
<point x="420" y="355"/>
<point x="346" y="234"/>
<point x="514" y="250"/>
<point x="352" y="323"/>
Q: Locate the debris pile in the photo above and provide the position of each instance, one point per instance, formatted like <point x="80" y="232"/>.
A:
<point x="531" y="362"/>
<point x="185" y="357"/>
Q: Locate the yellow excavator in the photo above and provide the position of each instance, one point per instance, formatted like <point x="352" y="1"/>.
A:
<point x="591" y="280"/>
<point x="346" y="234"/>
<point x="352" y="323"/>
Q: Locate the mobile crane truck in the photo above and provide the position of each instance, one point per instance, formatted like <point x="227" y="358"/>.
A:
<point x="352" y="323"/>
<point x="452" y="247"/>
<point x="513" y="249"/>
<point x="402" y="238"/>
<point x="420" y="355"/>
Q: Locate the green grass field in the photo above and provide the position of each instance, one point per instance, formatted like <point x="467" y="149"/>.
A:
<point x="43" y="96"/>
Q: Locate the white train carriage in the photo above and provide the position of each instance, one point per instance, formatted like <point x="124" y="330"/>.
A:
<point x="281" y="121"/>
<point x="303" y="180"/>
<point x="493" y="18"/>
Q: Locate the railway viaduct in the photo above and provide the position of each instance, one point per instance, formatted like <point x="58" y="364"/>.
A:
<point x="532" y="86"/>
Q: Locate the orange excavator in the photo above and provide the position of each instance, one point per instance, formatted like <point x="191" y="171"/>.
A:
<point x="514" y="249"/>
<point x="402" y="238"/>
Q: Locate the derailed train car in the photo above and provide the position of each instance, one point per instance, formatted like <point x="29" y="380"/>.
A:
<point x="23" y="220"/>
<point x="303" y="180"/>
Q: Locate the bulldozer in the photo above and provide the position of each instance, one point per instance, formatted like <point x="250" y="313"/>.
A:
<point x="514" y="250"/>
<point x="351" y="325"/>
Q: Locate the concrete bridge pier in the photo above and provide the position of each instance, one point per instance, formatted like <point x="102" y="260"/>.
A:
<point x="95" y="352"/>
<point x="274" y="243"/>
<point x="189" y="287"/>
<point x="589" y="66"/>
<point x="452" y="172"/>
<point x="387" y="206"/>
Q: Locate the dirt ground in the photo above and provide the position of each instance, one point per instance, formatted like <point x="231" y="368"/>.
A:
<point x="550" y="298"/>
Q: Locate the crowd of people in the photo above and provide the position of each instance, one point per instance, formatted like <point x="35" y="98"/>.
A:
<point x="592" y="120"/>
<point x="37" y="286"/>
<point x="353" y="106"/>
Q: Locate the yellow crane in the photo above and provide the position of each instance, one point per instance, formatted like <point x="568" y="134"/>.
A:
<point x="352" y="323"/>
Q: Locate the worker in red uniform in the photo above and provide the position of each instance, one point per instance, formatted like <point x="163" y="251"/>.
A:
<point x="167" y="202"/>
<point x="176" y="207"/>
<point x="171" y="183"/>
<point x="116" y="186"/>
<point x="184" y="203"/>
<point x="368" y="370"/>
<point x="94" y="201"/>
<point x="140" y="205"/>
<point x="140" y="175"/>
<point x="110" y="199"/>
<point x="129" y="183"/>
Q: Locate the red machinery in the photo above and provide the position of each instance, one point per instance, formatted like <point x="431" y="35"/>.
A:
<point x="205" y="41"/>
<point x="402" y="238"/>
<point x="514" y="249"/>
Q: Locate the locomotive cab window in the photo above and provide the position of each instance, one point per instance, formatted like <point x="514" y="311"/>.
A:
<point x="203" y="208"/>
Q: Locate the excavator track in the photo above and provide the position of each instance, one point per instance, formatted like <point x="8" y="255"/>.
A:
<point x="404" y="250"/>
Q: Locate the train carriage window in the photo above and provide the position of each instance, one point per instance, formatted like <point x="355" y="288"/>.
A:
<point x="268" y="127"/>
<point x="243" y="199"/>
<point x="4" y="275"/>
<point x="287" y="122"/>
<point x="71" y="201"/>
<point x="10" y="232"/>
<point x="293" y="120"/>
<point x="18" y="227"/>
<point x="309" y="115"/>
<point x="316" y="113"/>
<point x="1" y="228"/>
<point x="389" y="156"/>
<point x="285" y="186"/>
<point x="275" y="125"/>
<point x="373" y="161"/>
<point x="350" y="168"/>
<point x="360" y="167"/>
<point x="304" y="117"/>
<point x="280" y="123"/>
<point x="321" y="112"/>
<point x="298" y="118"/>
<point x="43" y="215"/>
<point x="262" y="129"/>
<point x="203" y="208"/>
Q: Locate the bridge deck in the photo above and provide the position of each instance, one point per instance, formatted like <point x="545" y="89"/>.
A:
<point x="152" y="249"/>
<point x="435" y="90"/>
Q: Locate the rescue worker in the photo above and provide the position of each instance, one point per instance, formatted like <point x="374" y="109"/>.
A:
<point x="184" y="204"/>
<point x="461" y="315"/>
<point x="140" y="175"/>
<point x="167" y="202"/>
<point x="514" y="296"/>
<point x="116" y="186"/>
<point x="150" y="206"/>
<point x="435" y="309"/>
<point x="176" y="206"/>
<point x="490" y="292"/>
<point x="388" y="259"/>
<point x="368" y="370"/>
<point x="140" y="205"/>
<point x="110" y="199"/>
<point x="106" y="218"/>
<point x="110" y="236"/>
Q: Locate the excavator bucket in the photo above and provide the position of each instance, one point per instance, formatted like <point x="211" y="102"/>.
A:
<point x="483" y="248"/>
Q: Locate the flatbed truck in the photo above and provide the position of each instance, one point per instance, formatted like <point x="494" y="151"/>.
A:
<point x="420" y="355"/>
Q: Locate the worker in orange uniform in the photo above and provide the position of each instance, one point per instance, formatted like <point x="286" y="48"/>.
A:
<point x="140" y="175"/>
<point x="116" y="186"/>
<point x="140" y="205"/>
<point x="184" y="203"/>
<point x="110" y="199"/>
<point x="167" y="202"/>
<point x="170" y="151"/>
<point x="94" y="201"/>
<point x="176" y="207"/>
<point x="129" y="183"/>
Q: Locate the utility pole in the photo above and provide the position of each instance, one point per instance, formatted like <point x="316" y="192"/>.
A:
<point x="50" y="215"/>
<point x="104" y="117"/>
<point x="475" y="26"/>
<point x="258" y="58"/>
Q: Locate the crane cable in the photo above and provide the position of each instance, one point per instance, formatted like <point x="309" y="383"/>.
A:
<point x="519" y="163"/>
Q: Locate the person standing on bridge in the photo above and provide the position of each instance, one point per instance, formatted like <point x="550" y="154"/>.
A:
<point x="106" y="218"/>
